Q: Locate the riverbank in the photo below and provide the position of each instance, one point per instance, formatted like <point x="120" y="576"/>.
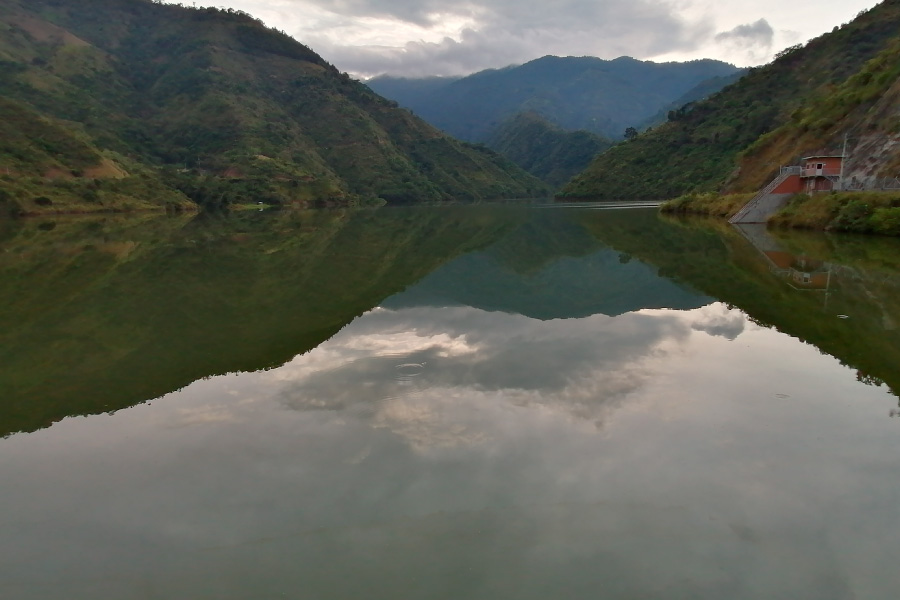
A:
<point x="708" y="204"/>
<point x="874" y="212"/>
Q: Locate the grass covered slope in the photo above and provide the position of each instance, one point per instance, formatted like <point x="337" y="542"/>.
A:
<point x="221" y="108"/>
<point x="864" y="109"/>
<point x="698" y="149"/>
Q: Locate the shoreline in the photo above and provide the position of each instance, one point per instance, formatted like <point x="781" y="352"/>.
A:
<point x="867" y="212"/>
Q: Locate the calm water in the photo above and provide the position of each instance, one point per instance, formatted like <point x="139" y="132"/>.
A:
<point x="464" y="402"/>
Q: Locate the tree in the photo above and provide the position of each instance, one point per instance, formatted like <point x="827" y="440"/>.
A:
<point x="631" y="133"/>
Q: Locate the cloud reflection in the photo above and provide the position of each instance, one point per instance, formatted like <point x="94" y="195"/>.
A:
<point x="465" y="359"/>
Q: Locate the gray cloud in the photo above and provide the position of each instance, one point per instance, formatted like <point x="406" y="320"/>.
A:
<point x="756" y="33"/>
<point x="504" y="32"/>
<point x="580" y="368"/>
<point x="752" y="40"/>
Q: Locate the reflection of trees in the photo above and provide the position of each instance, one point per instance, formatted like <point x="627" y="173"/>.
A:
<point x="718" y="261"/>
<point x="104" y="313"/>
<point x="868" y="379"/>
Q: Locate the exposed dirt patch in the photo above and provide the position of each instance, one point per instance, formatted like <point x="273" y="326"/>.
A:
<point x="57" y="173"/>
<point x="46" y="32"/>
<point x="107" y="169"/>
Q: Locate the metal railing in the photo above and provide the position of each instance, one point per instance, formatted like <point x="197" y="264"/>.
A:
<point x="821" y="172"/>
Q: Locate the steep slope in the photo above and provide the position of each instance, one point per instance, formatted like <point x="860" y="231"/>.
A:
<point x="864" y="110"/>
<point x="601" y="96"/>
<point x="699" y="148"/>
<point x="225" y="108"/>
<point x="546" y="150"/>
<point x="702" y="90"/>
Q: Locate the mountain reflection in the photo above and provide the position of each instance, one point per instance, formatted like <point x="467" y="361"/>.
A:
<point x="840" y="293"/>
<point x="104" y="313"/>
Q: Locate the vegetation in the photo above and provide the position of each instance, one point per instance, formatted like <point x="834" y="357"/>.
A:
<point x="211" y="106"/>
<point x="701" y="91"/>
<point x="861" y="109"/>
<point x="546" y="150"/>
<point x="711" y="204"/>
<point x="855" y="212"/>
<point x="699" y="148"/>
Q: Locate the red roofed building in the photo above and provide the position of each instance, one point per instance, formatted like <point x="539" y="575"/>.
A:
<point x="821" y="172"/>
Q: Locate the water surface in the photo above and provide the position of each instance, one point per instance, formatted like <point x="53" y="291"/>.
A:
<point x="461" y="402"/>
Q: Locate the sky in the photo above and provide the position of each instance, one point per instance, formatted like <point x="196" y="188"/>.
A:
<point x="417" y="38"/>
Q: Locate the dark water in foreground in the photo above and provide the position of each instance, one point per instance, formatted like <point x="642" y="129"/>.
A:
<point x="463" y="402"/>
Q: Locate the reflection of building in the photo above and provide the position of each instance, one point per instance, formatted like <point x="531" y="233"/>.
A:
<point x="799" y="272"/>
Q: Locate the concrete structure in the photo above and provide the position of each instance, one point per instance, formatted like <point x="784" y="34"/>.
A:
<point x="816" y="173"/>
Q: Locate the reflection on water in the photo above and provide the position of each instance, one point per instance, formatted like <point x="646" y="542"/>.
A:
<point x="463" y="403"/>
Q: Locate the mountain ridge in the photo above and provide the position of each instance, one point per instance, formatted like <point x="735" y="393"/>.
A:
<point x="217" y="109"/>
<point x="601" y="96"/>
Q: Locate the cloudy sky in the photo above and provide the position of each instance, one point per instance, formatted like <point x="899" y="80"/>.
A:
<point x="451" y="37"/>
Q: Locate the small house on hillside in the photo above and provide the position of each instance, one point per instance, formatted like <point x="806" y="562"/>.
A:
<point x="821" y="172"/>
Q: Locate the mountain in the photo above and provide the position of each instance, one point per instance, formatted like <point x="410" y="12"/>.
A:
<point x="133" y="103"/>
<point x="808" y="98"/>
<point x="601" y="96"/>
<point x="702" y="90"/>
<point x="545" y="150"/>
<point x="413" y="90"/>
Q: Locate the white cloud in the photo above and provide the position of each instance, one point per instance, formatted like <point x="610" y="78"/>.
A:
<point x="427" y="37"/>
<point x="753" y="40"/>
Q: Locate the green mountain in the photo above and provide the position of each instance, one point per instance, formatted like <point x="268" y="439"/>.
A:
<point x="702" y="90"/>
<point x="134" y="103"/>
<point x="601" y="96"/>
<point x="808" y="98"/>
<point x="545" y="150"/>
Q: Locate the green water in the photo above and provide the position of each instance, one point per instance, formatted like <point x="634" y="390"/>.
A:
<point x="464" y="402"/>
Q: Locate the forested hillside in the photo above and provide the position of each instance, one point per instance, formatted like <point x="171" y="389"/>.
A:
<point x="809" y="97"/>
<point x="546" y="150"/>
<point x="133" y="103"/>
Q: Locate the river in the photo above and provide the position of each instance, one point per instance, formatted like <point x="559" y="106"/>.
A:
<point x="483" y="402"/>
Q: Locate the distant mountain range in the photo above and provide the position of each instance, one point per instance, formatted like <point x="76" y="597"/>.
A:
<point x="575" y="93"/>
<point x="844" y="85"/>
<point x="551" y="116"/>
<point x="132" y="104"/>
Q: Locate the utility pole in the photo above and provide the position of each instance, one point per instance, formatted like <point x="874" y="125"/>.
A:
<point x="843" y="161"/>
